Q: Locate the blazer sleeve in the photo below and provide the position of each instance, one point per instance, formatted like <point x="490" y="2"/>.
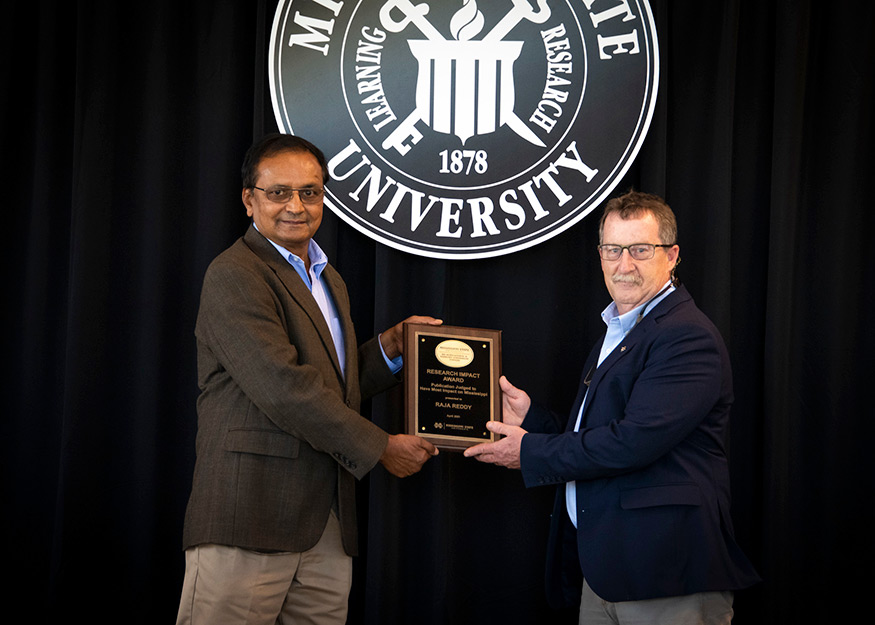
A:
<point x="375" y="376"/>
<point x="540" y="419"/>
<point x="242" y="322"/>
<point x="645" y="405"/>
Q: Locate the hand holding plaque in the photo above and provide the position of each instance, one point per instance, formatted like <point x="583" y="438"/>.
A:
<point x="451" y="384"/>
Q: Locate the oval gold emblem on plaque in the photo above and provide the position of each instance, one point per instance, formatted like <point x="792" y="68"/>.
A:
<point x="454" y="353"/>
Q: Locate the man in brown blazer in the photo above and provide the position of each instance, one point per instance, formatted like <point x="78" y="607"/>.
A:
<point x="270" y="527"/>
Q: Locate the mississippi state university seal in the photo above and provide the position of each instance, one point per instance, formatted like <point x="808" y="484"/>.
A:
<point x="463" y="128"/>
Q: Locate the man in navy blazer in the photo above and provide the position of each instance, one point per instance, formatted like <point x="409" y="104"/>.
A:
<point x="641" y="530"/>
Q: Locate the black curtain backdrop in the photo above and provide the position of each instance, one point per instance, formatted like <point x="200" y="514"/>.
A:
<point x="123" y="128"/>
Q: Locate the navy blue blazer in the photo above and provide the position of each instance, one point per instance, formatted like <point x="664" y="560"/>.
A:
<point x="650" y="465"/>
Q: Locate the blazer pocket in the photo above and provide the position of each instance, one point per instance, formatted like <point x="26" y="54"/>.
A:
<point x="664" y="495"/>
<point x="262" y="442"/>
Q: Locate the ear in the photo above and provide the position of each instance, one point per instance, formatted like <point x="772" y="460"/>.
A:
<point x="248" y="201"/>
<point x="672" y="253"/>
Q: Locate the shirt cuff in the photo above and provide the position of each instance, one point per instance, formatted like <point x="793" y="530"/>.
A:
<point x="394" y="364"/>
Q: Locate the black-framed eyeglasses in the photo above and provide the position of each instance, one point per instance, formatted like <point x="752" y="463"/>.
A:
<point x="638" y="251"/>
<point x="281" y="195"/>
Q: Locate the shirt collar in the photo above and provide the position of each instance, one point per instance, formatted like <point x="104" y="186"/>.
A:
<point x="628" y="320"/>
<point x="318" y="258"/>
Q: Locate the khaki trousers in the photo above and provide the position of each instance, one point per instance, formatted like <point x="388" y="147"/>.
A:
<point x="228" y="585"/>
<point x="704" y="608"/>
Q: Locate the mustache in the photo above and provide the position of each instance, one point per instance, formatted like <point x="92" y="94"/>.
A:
<point x="627" y="278"/>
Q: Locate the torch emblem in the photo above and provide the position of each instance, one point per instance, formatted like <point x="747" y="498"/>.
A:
<point x="464" y="87"/>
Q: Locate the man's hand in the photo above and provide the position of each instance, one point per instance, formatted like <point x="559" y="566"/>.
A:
<point x="515" y="403"/>
<point x="392" y="339"/>
<point x="505" y="452"/>
<point x="405" y="454"/>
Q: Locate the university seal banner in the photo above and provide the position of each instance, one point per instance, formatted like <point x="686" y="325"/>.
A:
<point x="463" y="128"/>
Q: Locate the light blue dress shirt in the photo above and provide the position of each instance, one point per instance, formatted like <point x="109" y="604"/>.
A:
<point x="618" y="327"/>
<point x="313" y="280"/>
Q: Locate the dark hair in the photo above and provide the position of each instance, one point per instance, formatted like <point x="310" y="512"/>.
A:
<point x="271" y="145"/>
<point x="635" y="204"/>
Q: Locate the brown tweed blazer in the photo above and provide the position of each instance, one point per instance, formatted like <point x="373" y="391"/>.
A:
<point x="280" y="437"/>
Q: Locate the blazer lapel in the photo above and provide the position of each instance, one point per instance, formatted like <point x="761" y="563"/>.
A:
<point x="585" y="383"/>
<point x="597" y="373"/>
<point x="298" y="291"/>
<point x="337" y="289"/>
<point x="625" y="347"/>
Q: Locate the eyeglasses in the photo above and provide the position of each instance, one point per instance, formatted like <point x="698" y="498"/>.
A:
<point x="281" y="195"/>
<point x="638" y="251"/>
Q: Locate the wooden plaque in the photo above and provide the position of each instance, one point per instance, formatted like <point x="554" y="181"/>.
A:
<point x="451" y="384"/>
